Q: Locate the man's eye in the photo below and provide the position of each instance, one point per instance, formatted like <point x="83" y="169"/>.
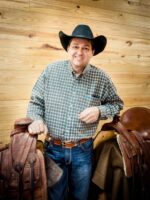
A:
<point x="86" y="49"/>
<point x="74" y="47"/>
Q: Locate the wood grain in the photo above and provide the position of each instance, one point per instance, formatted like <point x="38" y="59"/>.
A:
<point x="29" y="42"/>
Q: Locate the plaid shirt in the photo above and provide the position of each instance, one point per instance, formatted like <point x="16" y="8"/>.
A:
<point x="59" y="96"/>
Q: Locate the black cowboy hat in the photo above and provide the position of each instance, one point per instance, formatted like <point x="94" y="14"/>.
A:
<point x="84" y="31"/>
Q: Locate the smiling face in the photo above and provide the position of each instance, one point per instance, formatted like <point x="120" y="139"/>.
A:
<point x="80" y="52"/>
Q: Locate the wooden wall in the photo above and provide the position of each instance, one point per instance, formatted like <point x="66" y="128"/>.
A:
<point x="29" y="41"/>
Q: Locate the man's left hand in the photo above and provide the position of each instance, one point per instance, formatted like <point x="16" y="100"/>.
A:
<point x="89" y="115"/>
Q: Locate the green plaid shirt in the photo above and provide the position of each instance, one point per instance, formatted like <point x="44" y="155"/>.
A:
<point x="59" y="96"/>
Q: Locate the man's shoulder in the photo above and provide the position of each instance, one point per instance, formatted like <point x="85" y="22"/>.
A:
<point x="56" y="66"/>
<point x="57" y="63"/>
<point x="98" y="71"/>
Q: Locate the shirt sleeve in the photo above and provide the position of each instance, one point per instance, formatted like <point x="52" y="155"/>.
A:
<point x="36" y="106"/>
<point x="111" y="103"/>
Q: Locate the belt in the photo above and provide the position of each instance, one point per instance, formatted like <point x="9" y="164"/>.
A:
<point x="68" y="144"/>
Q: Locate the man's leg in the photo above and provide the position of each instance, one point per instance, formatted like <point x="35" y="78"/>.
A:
<point x="80" y="171"/>
<point x="58" y="190"/>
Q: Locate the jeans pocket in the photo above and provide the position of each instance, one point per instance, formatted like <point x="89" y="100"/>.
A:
<point x="87" y="146"/>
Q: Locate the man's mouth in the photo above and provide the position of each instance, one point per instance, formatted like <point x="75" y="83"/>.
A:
<point x="79" y="58"/>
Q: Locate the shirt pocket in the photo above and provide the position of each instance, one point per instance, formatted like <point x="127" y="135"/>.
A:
<point x="85" y="101"/>
<point x="89" y="100"/>
<point x="94" y="100"/>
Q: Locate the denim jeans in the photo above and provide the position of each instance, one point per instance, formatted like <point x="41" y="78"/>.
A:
<point x="77" y="165"/>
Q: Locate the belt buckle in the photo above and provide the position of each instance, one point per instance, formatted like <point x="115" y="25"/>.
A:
<point x="66" y="144"/>
<point x="63" y="143"/>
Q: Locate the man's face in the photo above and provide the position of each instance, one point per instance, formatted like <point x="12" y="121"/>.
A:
<point x="80" y="52"/>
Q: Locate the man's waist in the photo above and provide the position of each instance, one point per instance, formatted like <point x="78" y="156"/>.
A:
<point x="66" y="143"/>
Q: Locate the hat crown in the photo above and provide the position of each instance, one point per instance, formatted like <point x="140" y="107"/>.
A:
<point x="82" y="31"/>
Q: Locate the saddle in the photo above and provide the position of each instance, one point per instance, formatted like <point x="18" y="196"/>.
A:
<point x="22" y="168"/>
<point x="133" y="137"/>
<point x="133" y="128"/>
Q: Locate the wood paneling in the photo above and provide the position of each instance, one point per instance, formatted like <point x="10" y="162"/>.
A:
<point x="29" y="41"/>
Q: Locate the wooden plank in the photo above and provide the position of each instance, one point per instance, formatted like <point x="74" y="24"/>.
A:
<point x="115" y="17"/>
<point x="130" y="78"/>
<point x="5" y="136"/>
<point x="123" y="23"/>
<point x="131" y="90"/>
<point x="139" y="2"/>
<point x="9" y="112"/>
<point x="9" y="109"/>
<point x="26" y="35"/>
<point x="106" y="29"/>
<point x="145" y="2"/>
<point x="83" y="9"/>
<point x="120" y="65"/>
<point x="115" y="5"/>
<point x="141" y="100"/>
<point x="12" y="92"/>
<point x="13" y="4"/>
<point x="15" y="78"/>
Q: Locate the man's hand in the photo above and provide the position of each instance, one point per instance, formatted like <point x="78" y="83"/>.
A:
<point x="89" y="115"/>
<point x="37" y="127"/>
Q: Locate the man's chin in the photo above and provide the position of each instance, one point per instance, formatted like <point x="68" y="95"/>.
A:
<point x="79" y="64"/>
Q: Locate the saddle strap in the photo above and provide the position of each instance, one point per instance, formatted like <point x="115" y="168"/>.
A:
<point x="20" y="146"/>
<point x="121" y="129"/>
<point x="144" y="146"/>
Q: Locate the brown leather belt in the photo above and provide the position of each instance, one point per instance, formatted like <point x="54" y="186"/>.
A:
<point x="68" y="144"/>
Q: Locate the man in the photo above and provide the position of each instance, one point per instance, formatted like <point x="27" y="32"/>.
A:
<point x="68" y="100"/>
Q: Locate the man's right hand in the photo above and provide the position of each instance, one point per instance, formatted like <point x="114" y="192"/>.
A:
<point x="37" y="127"/>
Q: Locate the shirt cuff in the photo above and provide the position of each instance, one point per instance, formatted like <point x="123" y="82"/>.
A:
<point x="35" y="117"/>
<point x="103" y="113"/>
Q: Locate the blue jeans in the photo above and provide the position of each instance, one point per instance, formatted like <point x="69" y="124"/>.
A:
<point x="77" y="165"/>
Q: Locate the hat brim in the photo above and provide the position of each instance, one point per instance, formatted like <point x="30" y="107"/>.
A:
<point x="99" y="42"/>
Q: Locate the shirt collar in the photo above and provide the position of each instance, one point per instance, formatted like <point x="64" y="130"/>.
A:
<point x="85" y="71"/>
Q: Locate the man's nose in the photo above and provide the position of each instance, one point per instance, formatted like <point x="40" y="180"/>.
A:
<point x="80" y="51"/>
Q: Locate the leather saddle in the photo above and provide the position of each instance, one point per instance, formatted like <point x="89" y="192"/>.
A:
<point x="133" y="137"/>
<point x="23" y="173"/>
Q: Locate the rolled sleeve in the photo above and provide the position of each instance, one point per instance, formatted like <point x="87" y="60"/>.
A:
<point x="36" y="105"/>
<point x="111" y="103"/>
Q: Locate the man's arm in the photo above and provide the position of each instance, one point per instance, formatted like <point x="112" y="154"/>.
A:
<point x="36" y="107"/>
<point x="111" y="104"/>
